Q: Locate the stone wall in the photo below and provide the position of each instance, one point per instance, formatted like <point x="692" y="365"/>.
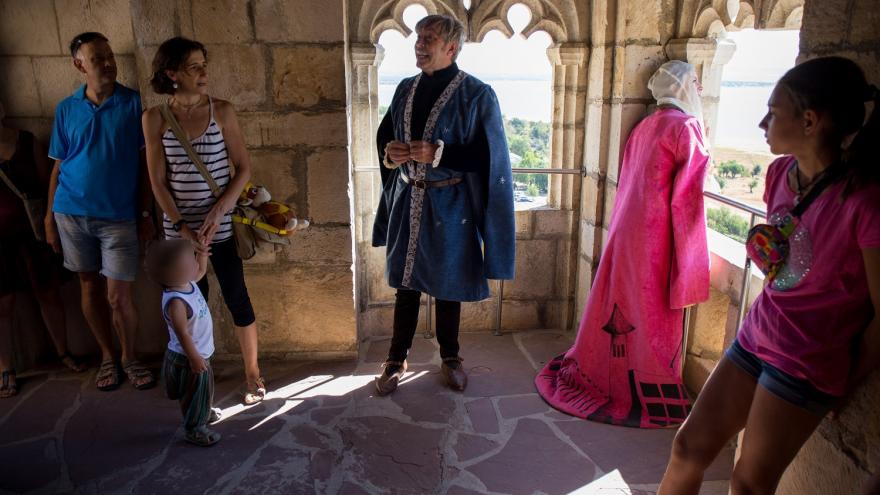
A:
<point x="841" y="455"/>
<point x="283" y="65"/>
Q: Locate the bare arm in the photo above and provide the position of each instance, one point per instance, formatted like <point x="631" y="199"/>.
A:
<point x="155" y="163"/>
<point x="177" y="314"/>
<point x="240" y="160"/>
<point x="154" y="126"/>
<point x="202" y="259"/>
<point x="49" y="223"/>
<point x="869" y="346"/>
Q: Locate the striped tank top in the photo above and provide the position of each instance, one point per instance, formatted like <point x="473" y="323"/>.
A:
<point x="190" y="191"/>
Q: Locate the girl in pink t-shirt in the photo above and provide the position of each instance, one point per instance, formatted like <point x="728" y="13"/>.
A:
<point x="814" y="331"/>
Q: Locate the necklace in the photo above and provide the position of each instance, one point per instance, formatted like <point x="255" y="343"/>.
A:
<point x="187" y="108"/>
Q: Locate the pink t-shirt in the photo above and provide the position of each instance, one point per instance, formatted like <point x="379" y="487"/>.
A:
<point x="806" y="321"/>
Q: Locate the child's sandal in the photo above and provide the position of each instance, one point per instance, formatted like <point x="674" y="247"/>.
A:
<point x="202" y="436"/>
<point x="256" y="392"/>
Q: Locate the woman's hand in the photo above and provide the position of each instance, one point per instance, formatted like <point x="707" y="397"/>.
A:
<point x="212" y="221"/>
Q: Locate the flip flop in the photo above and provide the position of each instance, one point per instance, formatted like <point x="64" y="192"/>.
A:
<point x="108" y="369"/>
<point x="8" y="390"/>
<point x="202" y="436"/>
<point x="256" y="393"/>
<point x="135" y="371"/>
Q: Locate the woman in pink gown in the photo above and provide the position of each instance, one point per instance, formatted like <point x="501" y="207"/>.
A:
<point x="625" y="365"/>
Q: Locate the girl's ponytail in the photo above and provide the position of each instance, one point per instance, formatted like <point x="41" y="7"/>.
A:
<point x="863" y="153"/>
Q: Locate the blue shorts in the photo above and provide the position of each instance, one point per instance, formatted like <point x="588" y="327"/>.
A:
<point x="779" y="383"/>
<point x="99" y="245"/>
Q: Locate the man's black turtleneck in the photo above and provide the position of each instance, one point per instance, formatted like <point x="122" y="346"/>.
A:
<point x="470" y="157"/>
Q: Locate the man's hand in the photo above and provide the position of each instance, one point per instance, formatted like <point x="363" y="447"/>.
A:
<point x="422" y="151"/>
<point x="52" y="238"/>
<point x="397" y="152"/>
<point x="198" y="365"/>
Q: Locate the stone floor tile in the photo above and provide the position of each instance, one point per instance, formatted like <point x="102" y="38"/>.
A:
<point x="482" y="415"/>
<point x="29" y="466"/>
<point x="529" y="463"/>
<point x="640" y="455"/>
<point x="393" y="454"/>
<point x="468" y="446"/>
<point x="495" y="366"/>
<point x="38" y="413"/>
<point x="544" y="346"/>
<point x="516" y="407"/>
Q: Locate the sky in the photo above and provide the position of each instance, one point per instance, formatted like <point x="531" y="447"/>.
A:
<point x="525" y="59"/>
<point x="761" y="55"/>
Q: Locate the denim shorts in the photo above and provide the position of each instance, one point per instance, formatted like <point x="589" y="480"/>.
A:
<point x="99" y="245"/>
<point x="796" y="391"/>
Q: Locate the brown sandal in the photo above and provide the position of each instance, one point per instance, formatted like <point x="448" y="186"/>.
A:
<point x="256" y="392"/>
<point x="108" y="369"/>
<point x="137" y="373"/>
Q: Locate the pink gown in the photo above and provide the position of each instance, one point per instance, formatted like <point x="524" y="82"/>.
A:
<point x="624" y="367"/>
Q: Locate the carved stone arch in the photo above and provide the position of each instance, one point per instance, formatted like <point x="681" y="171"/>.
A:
<point x="378" y="16"/>
<point x="782" y="14"/>
<point x="746" y="17"/>
<point x="714" y="17"/>
<point x="545" y="16"/>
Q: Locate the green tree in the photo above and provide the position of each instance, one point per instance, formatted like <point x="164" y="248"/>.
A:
<point x="518" y="144"/>
<point x="532" y="190"/>
<point x="721" y="220"/>
<point x="721" y="181"/>
<point x="752" y="185"/>
<point x="732" y="169"/>
<point x="756" y="171"/>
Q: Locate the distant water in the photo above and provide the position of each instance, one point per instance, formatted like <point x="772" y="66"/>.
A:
<point x="743" y="105"/>
<point x="526" y="99"/>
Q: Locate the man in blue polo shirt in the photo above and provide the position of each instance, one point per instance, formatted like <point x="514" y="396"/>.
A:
<point x="100" y="202"/>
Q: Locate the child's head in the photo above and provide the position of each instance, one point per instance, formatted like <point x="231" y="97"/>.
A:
<point x="818" y="105"/>
<point x="171" y="262"/>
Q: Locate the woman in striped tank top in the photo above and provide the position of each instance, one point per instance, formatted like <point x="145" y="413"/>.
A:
<point x="191" y="210"/>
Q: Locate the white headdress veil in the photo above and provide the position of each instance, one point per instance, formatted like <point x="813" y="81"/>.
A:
<point x="674" y="84"/>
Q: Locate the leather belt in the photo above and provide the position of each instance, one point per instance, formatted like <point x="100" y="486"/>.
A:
<point x="431" y="184"/>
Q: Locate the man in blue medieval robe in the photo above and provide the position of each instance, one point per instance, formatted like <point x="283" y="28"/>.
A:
<point x="446" y="212"/>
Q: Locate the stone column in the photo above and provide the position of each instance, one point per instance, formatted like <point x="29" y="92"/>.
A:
<point x="569" y="97"/>
<point x="365" y="60"/>
<point x="709" y="57"/>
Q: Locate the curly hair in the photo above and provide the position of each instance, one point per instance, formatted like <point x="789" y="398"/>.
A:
<point x="172" y="55"/>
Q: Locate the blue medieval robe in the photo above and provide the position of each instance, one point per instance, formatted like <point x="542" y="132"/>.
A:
<point x="449" y="241"/>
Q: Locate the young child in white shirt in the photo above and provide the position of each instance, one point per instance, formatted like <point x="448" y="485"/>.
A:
<point x="187" y="373"/>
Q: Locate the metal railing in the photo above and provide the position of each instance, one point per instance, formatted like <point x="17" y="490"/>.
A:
<point x="499" y="296"/>
<point x="754" y="214"/>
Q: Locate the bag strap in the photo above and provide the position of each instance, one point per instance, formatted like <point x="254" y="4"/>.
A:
<point x="9" y="183"/>
<point x="187" y="146"/>
<point x="829" y="176"/>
